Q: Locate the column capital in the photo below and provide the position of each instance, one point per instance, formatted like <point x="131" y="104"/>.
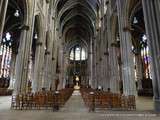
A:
<point x="39" y="43"/>
<point x="25" y="27"/>
<point x="47" y="52"/>
<point x="114" y="44"/>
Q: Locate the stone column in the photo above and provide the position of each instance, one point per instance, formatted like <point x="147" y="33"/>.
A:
<point x="21" y="68"/>
<point x="1" y="1"/>
<point x="91" y="64"/>
<point x="21" y="65"/>
<point x="95" y="66"/>
<point x="38" y="68"/>
<point x="53" y="67"/>
<point x="126" y="52"/>
<point x="12" y="78"/>
<point x="139" y="73"/>
<point x="100" y="65"/>
<point x="46" y="78"/>
<point x="114" y="77"/>
<point x="61" y="64"/>
<point x="151" y="10"/>
<point x="3" y="11"/>
<point x="107" y="52"/>
<point x="97" y="63"/>
<point x="63" y="68"/>
<point x="106" y="66"/>
<point x="66" y="62"/>
<point x="53" y="53"/>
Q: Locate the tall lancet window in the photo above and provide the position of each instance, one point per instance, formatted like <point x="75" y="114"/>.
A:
<point x="5" y="55"/>
<point x="78" y="53"/>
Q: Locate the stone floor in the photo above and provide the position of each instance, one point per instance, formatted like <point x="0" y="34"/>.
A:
<point x="75" y="110"/>
<point x="75" y="102"/>
<point x="144" y="103"/>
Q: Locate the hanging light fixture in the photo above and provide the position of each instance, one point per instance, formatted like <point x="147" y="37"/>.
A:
<point x="16" y="14"/>
<point x="36" y="36"/>
<point x="135" y="21"/>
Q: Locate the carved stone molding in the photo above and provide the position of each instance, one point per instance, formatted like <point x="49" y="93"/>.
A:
<point x="114" y="44"/>
<point x="39" y="43"/>
<point x="24" y="27"/>
<point x="47" y="53"/>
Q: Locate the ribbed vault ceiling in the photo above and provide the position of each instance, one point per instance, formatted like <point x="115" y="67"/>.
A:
<point x="76" y="19"/>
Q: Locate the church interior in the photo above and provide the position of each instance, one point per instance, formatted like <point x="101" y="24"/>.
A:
<point x="79" y="59"/>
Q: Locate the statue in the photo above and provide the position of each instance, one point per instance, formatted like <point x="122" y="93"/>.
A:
<point x="77" y="86"/>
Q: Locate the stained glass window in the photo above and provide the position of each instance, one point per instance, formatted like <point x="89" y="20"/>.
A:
<point x="78" y="53"/>
<point x="146" y="58"/>
<point x="5" y="55"/>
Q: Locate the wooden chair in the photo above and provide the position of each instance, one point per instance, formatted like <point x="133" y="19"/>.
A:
<point x="15" y="102"/>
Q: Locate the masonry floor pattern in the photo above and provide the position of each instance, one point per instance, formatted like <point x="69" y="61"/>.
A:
<point x="73" y="110"/>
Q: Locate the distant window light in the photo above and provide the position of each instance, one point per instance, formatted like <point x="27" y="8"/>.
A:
<point x="144" y="37"/>
<point x="8" y="36"/>
<point x="78" y="53"/>
<point x="72" y="55"/>
<point x="83" y="54"/>
<point x="77" y="49"/>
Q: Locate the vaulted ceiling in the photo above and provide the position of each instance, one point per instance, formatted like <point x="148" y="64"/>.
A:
<point x="14" y="21"/>
<point x="76" y="19"/>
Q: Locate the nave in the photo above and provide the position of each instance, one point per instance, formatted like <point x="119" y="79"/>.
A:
<point x="107" y="50"/>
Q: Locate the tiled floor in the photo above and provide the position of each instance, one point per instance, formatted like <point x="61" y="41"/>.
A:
<point x="74" y="110"/>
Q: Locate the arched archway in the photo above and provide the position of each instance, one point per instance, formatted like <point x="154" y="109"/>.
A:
<point x="76" y="21"/>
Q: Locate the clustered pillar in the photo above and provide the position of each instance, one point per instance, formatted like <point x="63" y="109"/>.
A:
<point x="129" y="87"/>
<point x="3" y="10"/>
<point x="151" y="10"/>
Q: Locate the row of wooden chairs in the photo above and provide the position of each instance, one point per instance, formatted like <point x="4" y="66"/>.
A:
<point x="108" y="100"/>
<point x="5" y="92"/>
<point x="40" y="100"/>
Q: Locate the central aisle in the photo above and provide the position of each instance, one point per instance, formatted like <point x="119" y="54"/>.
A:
<point x="75" y="103"/>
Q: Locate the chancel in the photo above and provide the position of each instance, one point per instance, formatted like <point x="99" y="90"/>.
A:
<point x="80" y="57"/>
